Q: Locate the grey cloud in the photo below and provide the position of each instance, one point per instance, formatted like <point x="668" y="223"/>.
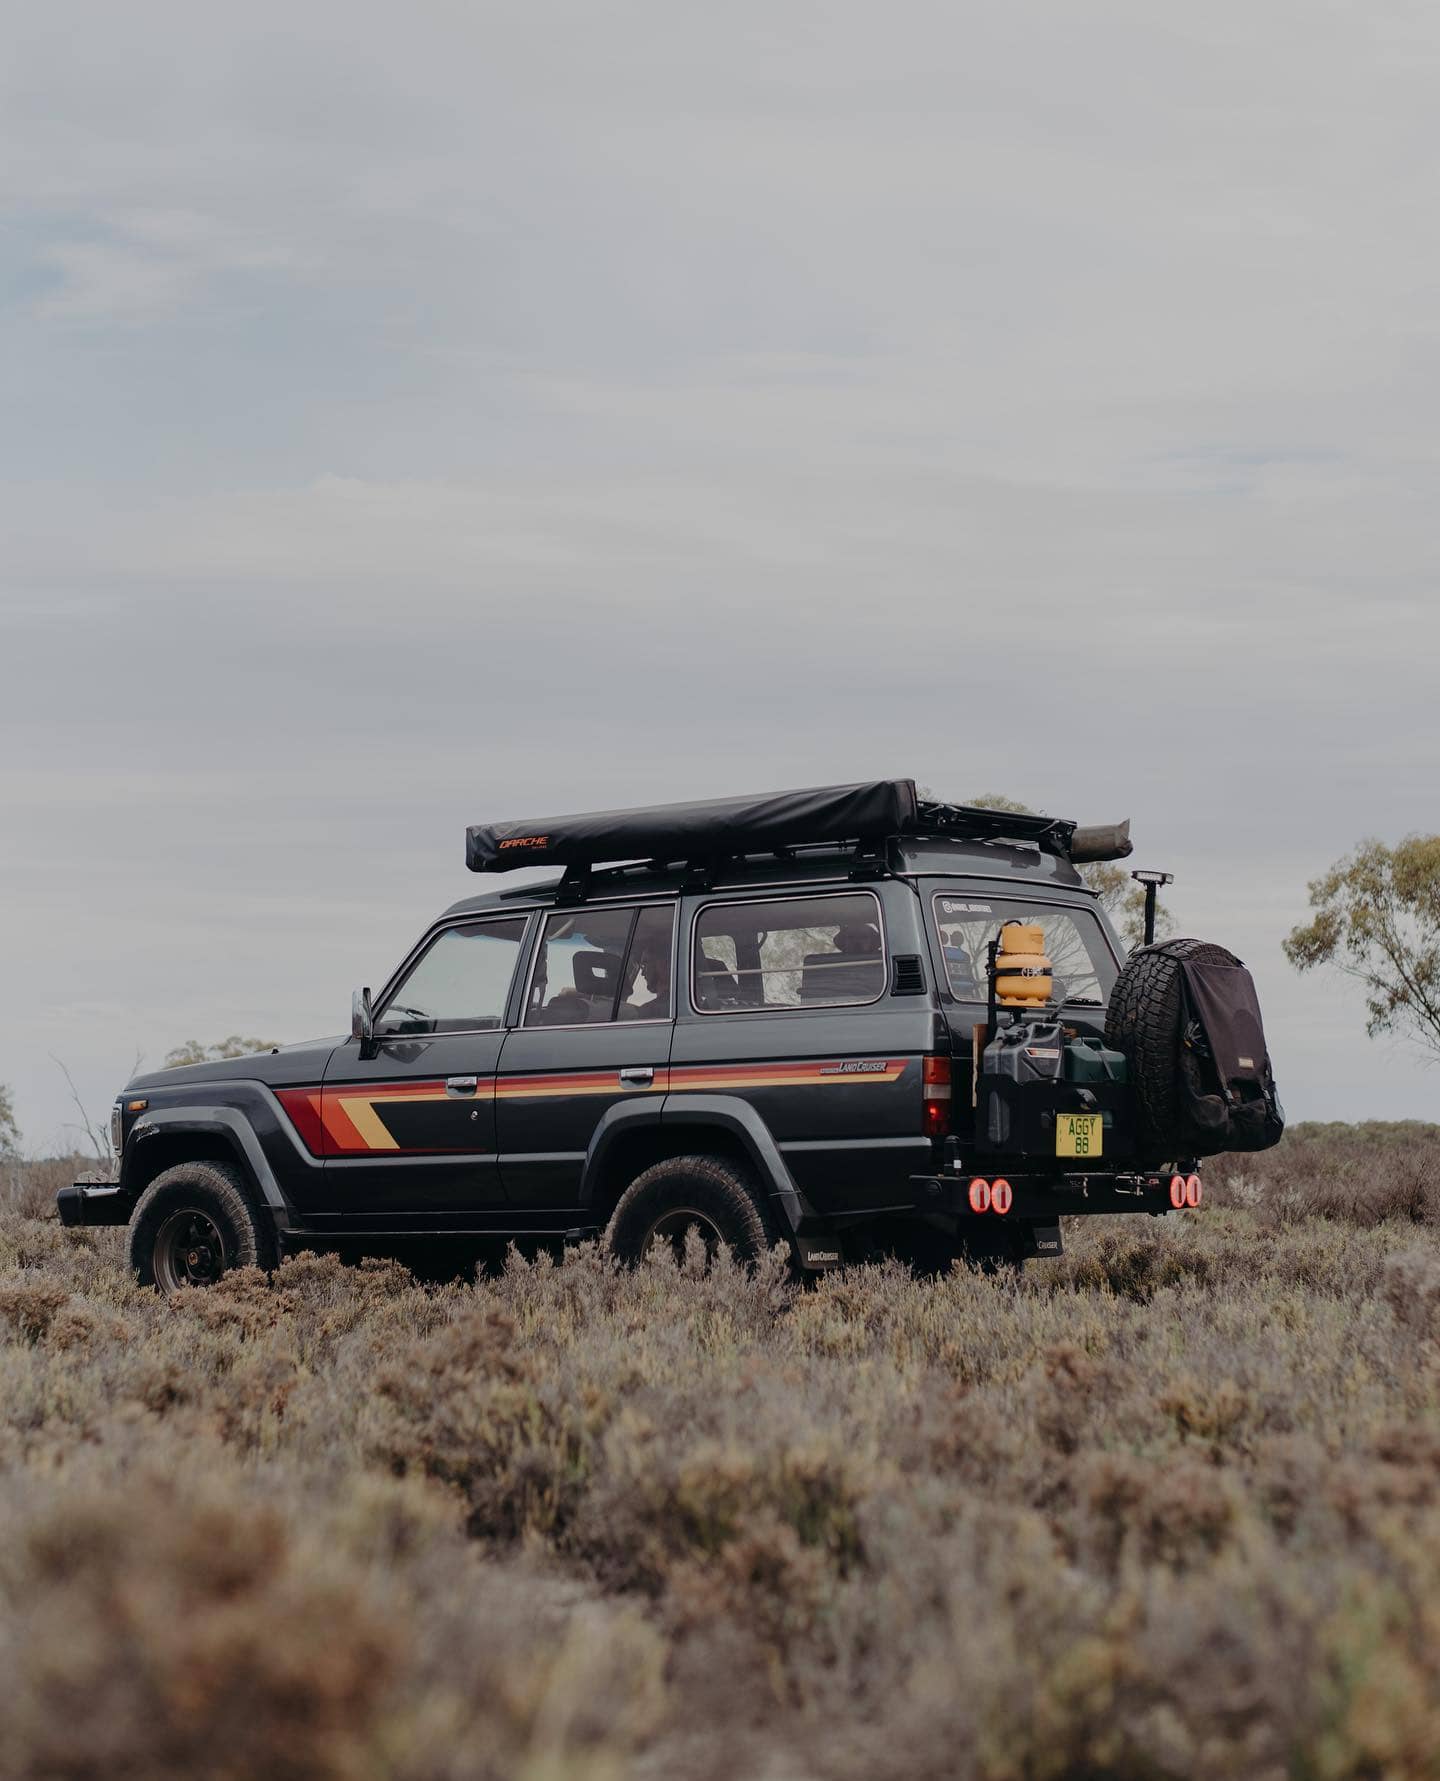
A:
<point x="529" y="408"/>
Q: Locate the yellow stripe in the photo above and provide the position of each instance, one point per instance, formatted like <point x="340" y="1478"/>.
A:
<point x="367" y="1122"/>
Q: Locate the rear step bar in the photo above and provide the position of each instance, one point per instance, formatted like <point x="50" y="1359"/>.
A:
<point x="1046" y="1197"/>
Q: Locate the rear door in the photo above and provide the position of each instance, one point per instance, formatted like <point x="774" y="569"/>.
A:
<point x="409" y="1135"/>
<point x="792" y="1008"/>
<point x="595" y="1029"/>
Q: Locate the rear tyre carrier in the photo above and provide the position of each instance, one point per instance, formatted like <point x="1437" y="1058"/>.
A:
<point x="1143" y="1021"/>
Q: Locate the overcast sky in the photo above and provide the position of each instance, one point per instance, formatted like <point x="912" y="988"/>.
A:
<point x="418" y="415"/>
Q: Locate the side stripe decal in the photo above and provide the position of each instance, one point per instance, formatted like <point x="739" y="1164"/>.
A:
<point x="349" y="1118"/>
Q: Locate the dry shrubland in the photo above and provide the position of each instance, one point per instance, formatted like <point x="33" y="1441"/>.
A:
<point x="1168" y="1506"/>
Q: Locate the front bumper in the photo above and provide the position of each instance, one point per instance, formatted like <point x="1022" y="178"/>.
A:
<point x="93" y="1203"/>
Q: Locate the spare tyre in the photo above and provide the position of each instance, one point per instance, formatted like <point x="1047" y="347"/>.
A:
<point x="1145" y="1020"/>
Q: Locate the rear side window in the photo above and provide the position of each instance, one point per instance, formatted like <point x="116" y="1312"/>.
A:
<point x="460" y="983"/>
<point x="601" y="965"/>
<point x="1083" y="965"/>
<point x="804" y="952"/>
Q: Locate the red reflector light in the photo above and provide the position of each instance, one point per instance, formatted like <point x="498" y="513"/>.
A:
<point x="979" y="1195"/>
<point x="935" y="1080"/>
<point x="1000" y="1196"/>
<point x="1177" y="1191"/>
<point x="1193" y="1190"/>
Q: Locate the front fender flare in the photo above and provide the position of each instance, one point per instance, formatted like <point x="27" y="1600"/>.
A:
<point x="226" y="1122"/>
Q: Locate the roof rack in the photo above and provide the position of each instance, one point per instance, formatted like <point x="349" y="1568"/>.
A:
<point x="974" y="822"/>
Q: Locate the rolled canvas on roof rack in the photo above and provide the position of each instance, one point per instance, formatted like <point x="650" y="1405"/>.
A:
<point x="720" y="828"/>
<point x="714" y="828"/>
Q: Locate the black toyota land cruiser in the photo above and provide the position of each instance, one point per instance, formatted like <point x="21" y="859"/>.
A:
<point x="843" y="1019"/>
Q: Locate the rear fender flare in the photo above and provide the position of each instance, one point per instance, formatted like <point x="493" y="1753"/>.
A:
<point x="740" y="1119"/>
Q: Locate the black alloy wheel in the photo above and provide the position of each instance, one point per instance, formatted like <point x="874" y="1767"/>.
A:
<point x="189" y="1250"/>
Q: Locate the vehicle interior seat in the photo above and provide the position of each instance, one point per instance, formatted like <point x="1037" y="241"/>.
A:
<point x="853" y="972"/>
<point x="715" y="984"/>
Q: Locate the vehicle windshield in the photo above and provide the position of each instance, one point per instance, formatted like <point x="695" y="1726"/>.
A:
<point x="1083" y="966"/>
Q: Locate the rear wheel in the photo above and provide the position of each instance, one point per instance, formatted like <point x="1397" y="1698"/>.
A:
<point x="194" y="1223"/>
<point x="707" y="1194"/>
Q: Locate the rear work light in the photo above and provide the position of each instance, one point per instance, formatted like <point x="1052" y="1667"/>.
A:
<point x="990" y="1196"/>
<point x="935" y="1083"/>
<point x="1186" y="1190"/>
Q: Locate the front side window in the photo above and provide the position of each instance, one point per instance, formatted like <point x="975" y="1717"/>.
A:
<point x="460" y="983"/>
<point x="1082" y="964"/>
<point x="805" y="952"/>
<point x="598" y="965"/>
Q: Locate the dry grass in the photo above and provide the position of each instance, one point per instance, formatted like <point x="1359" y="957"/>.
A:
<point x="1167" y="1507"/>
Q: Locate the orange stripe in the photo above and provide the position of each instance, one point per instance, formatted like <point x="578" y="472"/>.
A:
<point x="339" y="1128"/>
<point x="778" y="1075"/>
<point x="522" y="1088"/>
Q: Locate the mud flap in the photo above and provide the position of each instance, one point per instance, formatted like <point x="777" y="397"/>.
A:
<point x="1041" y="1239"/>
<point x="817" y="1252"/>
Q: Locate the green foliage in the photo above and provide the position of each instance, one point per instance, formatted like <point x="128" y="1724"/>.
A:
<point x="193" y="1052"/>
<point x="1377" y="919"/>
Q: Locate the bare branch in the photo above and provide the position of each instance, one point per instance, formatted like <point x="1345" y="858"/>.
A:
<point x="98" y="1140"/>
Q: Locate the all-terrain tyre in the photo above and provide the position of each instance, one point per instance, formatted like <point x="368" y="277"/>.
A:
<point x="709" y="1193"/>
<point x="1143" y="1020"/>
<point x="194" y="1223"/>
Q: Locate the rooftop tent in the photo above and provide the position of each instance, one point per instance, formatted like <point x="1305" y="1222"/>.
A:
<point x="711" y="829"/>
<point x="723" y="827"/>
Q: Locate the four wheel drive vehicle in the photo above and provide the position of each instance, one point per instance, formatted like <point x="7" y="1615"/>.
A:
<point x="843" y="1019"/>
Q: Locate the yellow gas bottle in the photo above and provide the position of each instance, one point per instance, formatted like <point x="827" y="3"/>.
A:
<point x="1022" y="971"/>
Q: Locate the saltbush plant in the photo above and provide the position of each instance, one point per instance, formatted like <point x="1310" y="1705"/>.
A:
<point x="1169" y="1505"/>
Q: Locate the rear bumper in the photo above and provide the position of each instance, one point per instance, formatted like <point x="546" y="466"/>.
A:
<point x="1046" y="1197"/>
<point x="93" y="1203"/>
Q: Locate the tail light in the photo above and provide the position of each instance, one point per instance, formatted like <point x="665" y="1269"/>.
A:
<point x="1194" y="1190"/>
<point x="979" y="1195"/>
<point x="1000" y="1196"/>
<point x="1177" y="1191"/>
<point x="935" y="1082"/>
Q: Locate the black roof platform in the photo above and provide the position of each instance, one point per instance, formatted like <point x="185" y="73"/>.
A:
<point x="864" y="816"/>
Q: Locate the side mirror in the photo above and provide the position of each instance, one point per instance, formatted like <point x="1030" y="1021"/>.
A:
<point x="362" y="1022"/>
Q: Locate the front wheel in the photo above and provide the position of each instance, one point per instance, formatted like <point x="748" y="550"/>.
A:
<point x="707" y="1194"/>
<point x="194" y="1223"/>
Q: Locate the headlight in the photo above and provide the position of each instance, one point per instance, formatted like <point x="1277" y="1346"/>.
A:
<point x="117" y="1128"/>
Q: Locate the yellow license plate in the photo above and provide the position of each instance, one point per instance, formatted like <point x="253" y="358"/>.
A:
<point x="1079" y="1134"/>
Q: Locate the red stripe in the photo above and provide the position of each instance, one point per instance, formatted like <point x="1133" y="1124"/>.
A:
<point x="302" y="1108"/>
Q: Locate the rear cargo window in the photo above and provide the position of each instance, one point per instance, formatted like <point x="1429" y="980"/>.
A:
<point x="804" y="952"/>
<point x="1083" y="965"/>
